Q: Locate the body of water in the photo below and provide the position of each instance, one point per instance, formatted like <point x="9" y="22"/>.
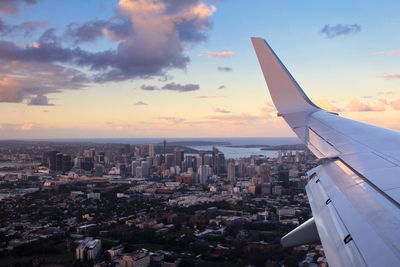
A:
<point x="236" y="141"/>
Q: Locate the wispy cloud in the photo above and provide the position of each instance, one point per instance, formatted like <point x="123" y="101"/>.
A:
<point x="225" y="69"/>
<point x="140" y="103"/>
<point x="221" y="110"/>
<point x="225" y="54"/>
<point x="172" y="120"/>
<point x="388" y="76"/>
<point x="393" y="52"/>
<point x="386" y="93"/>
<point x="207" y="96"/>
<point x="240" y="119"/>
<point x="172" y="87"/>
<point x="339" y="29"/>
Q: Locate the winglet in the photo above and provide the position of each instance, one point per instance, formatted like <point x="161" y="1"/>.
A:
<point x="286" y="94"/>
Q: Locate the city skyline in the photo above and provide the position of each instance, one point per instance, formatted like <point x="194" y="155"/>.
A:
<point x="71" y="70"/>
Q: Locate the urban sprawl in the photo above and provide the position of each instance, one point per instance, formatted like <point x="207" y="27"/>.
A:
<point x="92" y="204"/>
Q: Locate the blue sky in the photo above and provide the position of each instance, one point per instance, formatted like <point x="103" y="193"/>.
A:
<point x="356" y="72"/>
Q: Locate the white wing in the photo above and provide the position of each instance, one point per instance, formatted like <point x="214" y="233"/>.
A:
<point x="355" y="193"/>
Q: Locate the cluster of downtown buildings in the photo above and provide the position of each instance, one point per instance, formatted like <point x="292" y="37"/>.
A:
<point x="85" y="194"/>
<point x="205" y="167"/>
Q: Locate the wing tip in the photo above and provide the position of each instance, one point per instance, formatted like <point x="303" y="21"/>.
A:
<point x="286" y="94"/>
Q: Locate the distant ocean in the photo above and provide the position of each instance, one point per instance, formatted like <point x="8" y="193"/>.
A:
<point x="235" y="141"/>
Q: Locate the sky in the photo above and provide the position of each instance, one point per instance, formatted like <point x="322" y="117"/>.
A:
<point x="186" y="68"/>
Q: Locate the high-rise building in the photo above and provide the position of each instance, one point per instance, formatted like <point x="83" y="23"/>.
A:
<point x="139" y="173"/>
<point x="59" y="161"/>
<point x="145" y="168"/>
<point x="220" y="163"/>
<point x="134" y="164"/>
<point x="127" y="149"/>
<point x="53" y="160"/>
<point x="178" y="156"/>
<point x="99" y="170"/>
<point x="264" y="173"/>
<point x="142" y="150"/>
<point x="169" y="161"/>
<point x="203" y="173"/>
<point x="231" y="173"/>
<point x="279" y="156"/>
<point x="151" y="150"/>
<point x="66" y="163"/>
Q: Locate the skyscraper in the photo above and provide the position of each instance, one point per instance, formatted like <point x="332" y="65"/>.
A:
<point x="203" y="174"/>
<point x="231" y="173"/>
<point x="264" y="173"/>
<point x="178" y="156"/>
<point x="151" y="150"/>
<point x="53" y="160"/>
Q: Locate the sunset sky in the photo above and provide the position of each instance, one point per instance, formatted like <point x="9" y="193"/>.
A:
<point x="186" y="68"/>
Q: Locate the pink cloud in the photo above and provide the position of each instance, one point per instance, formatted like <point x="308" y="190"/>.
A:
<point x="267" y="109"/>
<point x="327" y="105"/>
<point x="394" y="52"/>
<point x="388" y="76"/>
<point x="173" y="120"/>
<point x="395" y="104"/>
<point x="25" y="127"/>
<point x="224" y="54"/>
<point x="357" y="106"/>
<point x="241" y="119"/>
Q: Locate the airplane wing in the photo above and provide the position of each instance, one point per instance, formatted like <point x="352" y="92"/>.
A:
<point x="355" y="193"/>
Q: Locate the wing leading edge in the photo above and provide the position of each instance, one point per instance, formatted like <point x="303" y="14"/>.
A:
<point x="355" y="194"/>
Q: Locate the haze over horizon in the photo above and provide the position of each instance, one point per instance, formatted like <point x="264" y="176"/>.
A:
<point x="144" y="68"/>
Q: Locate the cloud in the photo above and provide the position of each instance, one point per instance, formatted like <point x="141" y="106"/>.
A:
<point x="25" y="28"/>
<point x="395" y="104"/>
<point x="221" y="87"/>
<point x="267" y="109"/>
<point x="241" y="119"/>
<point x="221" y="110"/>
<point x="393" y="52"/>
<point x="140" y="103"/>
<point x="357" y="106"/>
<point x="40" y="100"/>
<point x="180" y="88"/>
<point x="325" y="104"/>
<point x="339" y="29"/>
<point x="386" y="93"/>
<point x="25" y="127"/>
<point x="388" y="76"/>
<point x="151" y="38"/>
<point x="27" y="80"/>
<point x="172" y="120"/>
<point x="173" y="87"/>
<point x="225" y="69"/>
<point x="207" y="96"/>
<point x="225" y="54"/>
<point x="86" y="32"/>
<point x="13" y="6"/>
